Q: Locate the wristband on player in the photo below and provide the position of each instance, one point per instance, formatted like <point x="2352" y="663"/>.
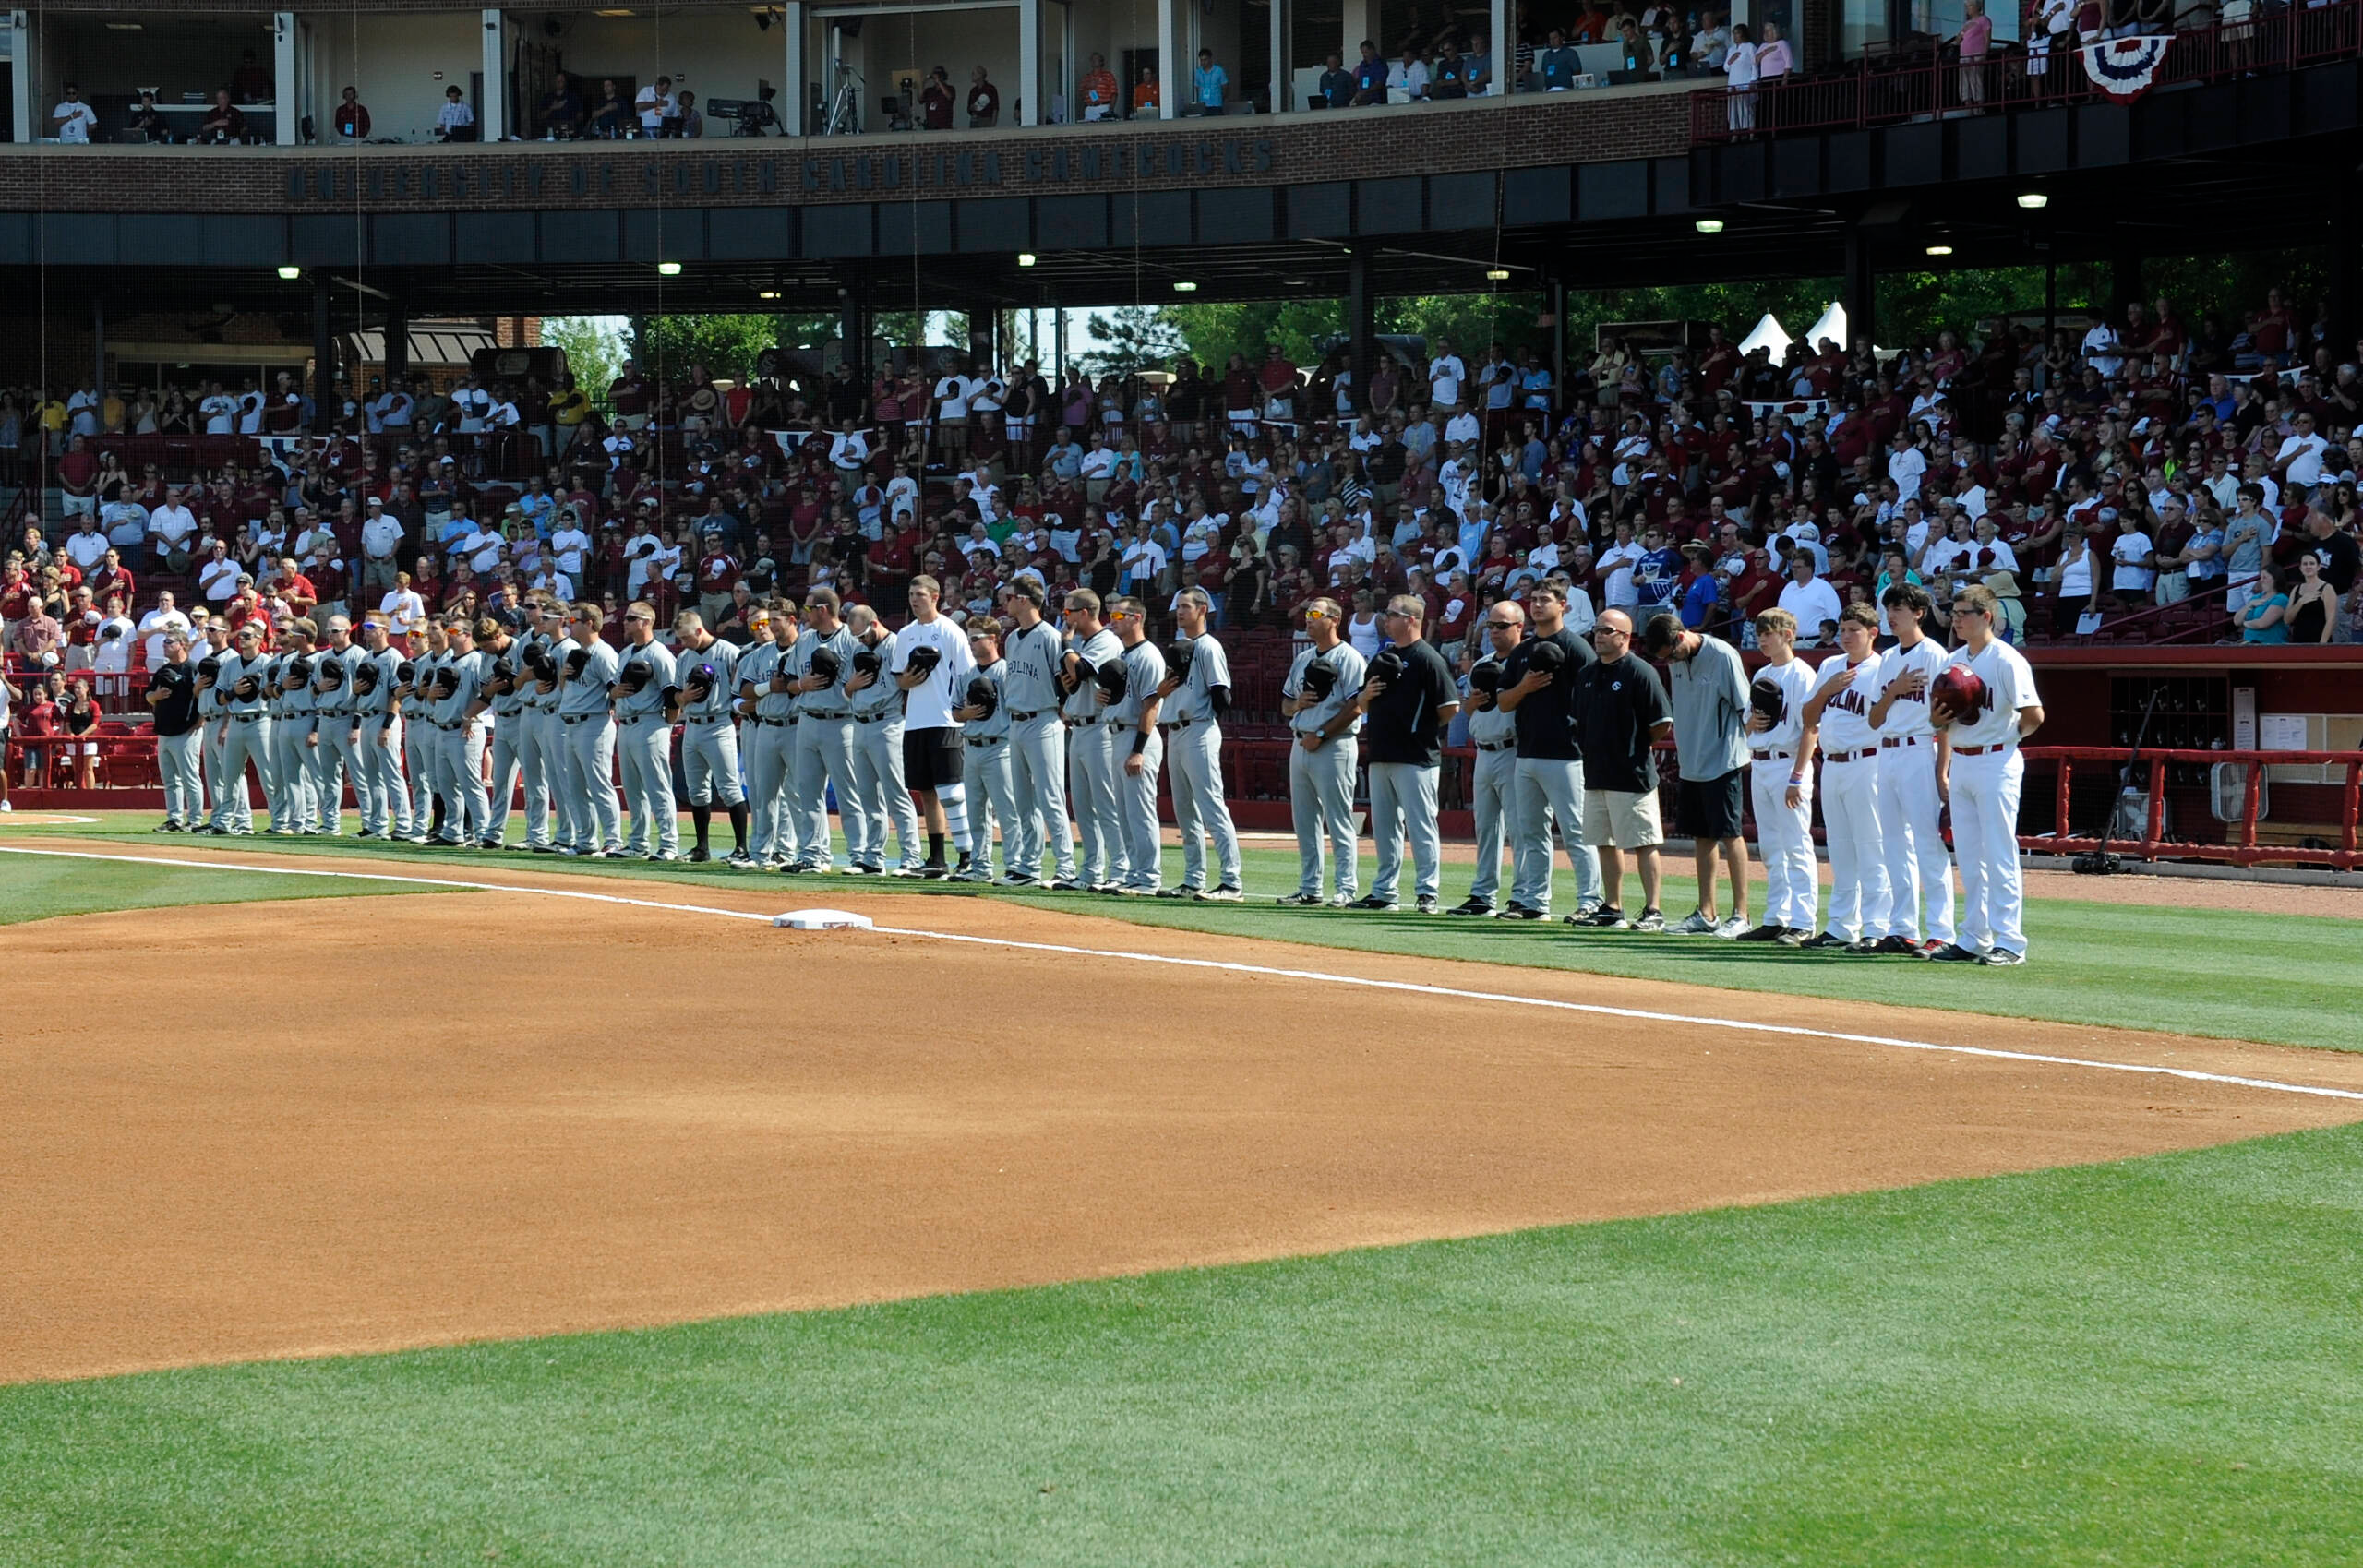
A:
<point x="1140" y="742"/>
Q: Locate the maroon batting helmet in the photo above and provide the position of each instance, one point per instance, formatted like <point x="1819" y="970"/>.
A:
<point x="1957" y="690"/>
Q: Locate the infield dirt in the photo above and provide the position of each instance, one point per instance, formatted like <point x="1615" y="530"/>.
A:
<point x="375" y="1123"/>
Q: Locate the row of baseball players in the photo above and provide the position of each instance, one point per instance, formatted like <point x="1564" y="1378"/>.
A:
<point x="819" y="703"/>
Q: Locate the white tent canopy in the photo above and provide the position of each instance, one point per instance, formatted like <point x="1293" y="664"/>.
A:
<point x="1832" y="326"/>
<point x="1768" y="334"/>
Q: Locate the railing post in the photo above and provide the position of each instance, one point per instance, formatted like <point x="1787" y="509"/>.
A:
<point x="2157" y="829"/>
<point x="2354" y="799"/>
<point x="2249" y="805"/>
<point x="2060" y="824"/>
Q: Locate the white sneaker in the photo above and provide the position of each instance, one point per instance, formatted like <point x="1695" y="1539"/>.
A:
<point x="1694" y="925"/>
<point x="8" y="806"/>
<point x="1343" y="900"/>
<point x="1729" y="927"/>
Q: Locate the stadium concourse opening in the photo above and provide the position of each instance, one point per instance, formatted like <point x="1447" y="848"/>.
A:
<point x="578" y="1149"/>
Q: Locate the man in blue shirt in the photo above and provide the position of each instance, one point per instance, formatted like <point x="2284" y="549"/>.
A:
<point x="1658" y="574"/>
<point x="1370" y="76"/>
<point x="1699" y="596"/>
<point x="1208" y="84"/>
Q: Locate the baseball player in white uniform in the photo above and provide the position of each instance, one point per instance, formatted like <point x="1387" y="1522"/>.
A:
<point x="1196" y="700"/>
<point x="1090" y="768"/>
<point x="1912" y="759"/>
<point x="1037" y="738"/>
<point x="1136" y="751"/>
<point x="1986" y="772"/>
<point x="1318" y="699"/>
<point x="984" y="732"/>
<point x="1493" y="730"/>
<point x="1781" y="786"/>
<point x="1838" y="716"/>
<point x="646" y="694"/>
<point x="708" y="670"/>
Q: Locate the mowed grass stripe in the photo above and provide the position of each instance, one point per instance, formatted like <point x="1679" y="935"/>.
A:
<point x="2241" y="977"/>
<point x="2151" y="1362"/>
<point x="33" y="888"/>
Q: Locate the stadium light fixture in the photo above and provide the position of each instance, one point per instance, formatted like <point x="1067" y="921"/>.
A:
<point x="1185" y="287"/>
<point x="289" y="274"/>
<point x="2035" y="200"/>
<point x="669" y="268"/>
<point x="768" y="293"/>
<point x="1710" y="225"/>
<point x="1027" y="258"/>
<point x="1940" y="250"/>
<point x="1498" y="274"/>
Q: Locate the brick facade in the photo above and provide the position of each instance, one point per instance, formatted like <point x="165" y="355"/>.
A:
<point x="1606" y="126"/>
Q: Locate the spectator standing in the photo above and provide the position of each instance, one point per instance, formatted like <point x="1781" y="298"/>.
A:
<point x="1336" y="87"/>
<point x="73" y="120"/>
<point x="1621" y="715"/>
<point x="1208" y="84"/>
<point x="352" y="120"/>
<point x="1976" y="36"/>
<point x="1370" y="76"/>
<point x="455" y="121"/>
<point x="654" y="106"/>
<point x="1708" y="687"/>
<point x="1539" y="686"/>
<point x="1409" y="697"/>
<point x="983" y="102"/>
<point x="1147" y="95"/>
<point x="1098" y="90"/>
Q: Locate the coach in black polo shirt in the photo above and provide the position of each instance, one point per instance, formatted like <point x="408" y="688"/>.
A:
<point x="1407" y="702"/>
<point x="1539" y="691"/>
<point x="1621" y="715"/>
<point x="171" y="696"/>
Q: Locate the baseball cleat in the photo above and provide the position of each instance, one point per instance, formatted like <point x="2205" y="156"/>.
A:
<point x="1865" y="947"/>
<point x="1342" y="900"/>
<point x="1792" y="936"/>
<point x="1930" y="948"/>
<point x="1607" y="917"/>
<point x="1472" y="907"/>
<point x="491" y="843"/>
<point x="1524" y="912"/>
<point x="165" y="827"/>
<point x="2002" y="958"/>
<point x="1649" y="920"/>
<point x="1066" y="884"/>
<point x="1227" y="893"/>
<point x="1694" y="924"/>
<point x="1181" y="892"/>
<point x="739" y="860"/>
<point x="1021" y="880"/>
<point x="1129" y="890"/>
<point x="934" y="871"/>
<point x="1427" y="904"/>
<point x="1898" y="947"/>
<point x="1298" y="901"/>
<point x="1106" y="890"/>
<point x="698" y="855"/>
<point x="1827" y="941"/>
<point x="1375" y="901"/>
<point x="663" y="854"/>
<point x="1953" y="953"/>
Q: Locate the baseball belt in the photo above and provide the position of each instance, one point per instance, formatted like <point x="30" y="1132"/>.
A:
<point x="1497" y="745"/>
<point x="877" y="718"/>
<point x="978" y="742"/>
<point x="829" y="718"/>
<point x="1980" y="750"/>
<point x="1850" y="755"/>
<point x="581" y="718"/>
<point x="1021" y="717"/>
<point x="1891" y="742"/>
<point x="1178" y="726"/>
<point x="248" y="718"/>
<point x="1118" y="727"/>
<point x="1770" y="755"/>
<point x="334" y="713"/>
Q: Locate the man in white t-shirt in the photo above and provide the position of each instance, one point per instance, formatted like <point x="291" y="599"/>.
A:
<point x="220" y="410"/>
<point x="2299" y="461"/>
<point x="655" y="104"/>
<point x="1905" y="464"/>
<point x="1446" y="372"/>
<point x="933" y="755"/>
<point x="74" y="120"/>
<point x="172" y="526"/>
<point x="1615" y="570"/>
<point x="251" y="404"/>
<point x="953" y="391"/>
<point x="1811" y="599"/>
<point x="152" y="627"/>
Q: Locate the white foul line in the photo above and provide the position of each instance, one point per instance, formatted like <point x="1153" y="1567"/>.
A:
<point x="1317" y="975"/>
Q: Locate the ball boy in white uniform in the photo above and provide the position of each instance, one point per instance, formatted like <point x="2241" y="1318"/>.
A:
<point x="1839" y="717"/>
<point x="1780" y="788"/>
<point x="1986" y="772"/>
<point x="1912" y="761"/>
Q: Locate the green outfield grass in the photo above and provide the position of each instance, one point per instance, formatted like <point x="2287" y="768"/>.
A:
<point x="2157" y="1362"/>
<point x="35" y="889"/>
<point x="2238" y="977"/>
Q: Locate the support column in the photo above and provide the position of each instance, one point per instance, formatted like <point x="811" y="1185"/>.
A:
<point x="99" y="345"/>
<point x="1862" y="288"/>
<point x="1172" y="71"/>
<point x="1503" y="48"/>
<point x="852" y="327"/>
<point x="283" y="69"/>
<point x="1278" y="101"/>
<point x="324" y="397"/>
<point x="1029" y="64"/>
<point x="2124" y="282"/>
<point x="1059" y="352"/>
<point x="1361" y="22"/>
<point x="795" y="113"/>
<point x="30" y="120"/>
<point x="492" y="117"/>
<point x="397" y="343"/>
<point x="1361" y="316"/>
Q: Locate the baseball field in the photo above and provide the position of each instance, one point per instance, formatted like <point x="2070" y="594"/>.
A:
<point x="371" y="1205"/>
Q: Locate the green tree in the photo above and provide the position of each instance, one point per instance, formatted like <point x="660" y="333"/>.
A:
<point x="1131" y="338"/>
<point x="594" y="347"/>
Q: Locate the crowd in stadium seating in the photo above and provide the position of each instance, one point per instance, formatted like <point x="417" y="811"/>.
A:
<point x="2145" y="478"/>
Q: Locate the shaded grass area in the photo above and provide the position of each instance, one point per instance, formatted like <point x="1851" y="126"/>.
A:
<point x="2151" y="1362"/>
<point x="33" y="888"/>
<point x="2269" y="977"/>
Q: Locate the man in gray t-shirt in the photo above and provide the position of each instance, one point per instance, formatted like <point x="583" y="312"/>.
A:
<point x="1708" y="690"/>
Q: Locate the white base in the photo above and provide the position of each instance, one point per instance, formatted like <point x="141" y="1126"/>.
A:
<point x="822" y="920"/>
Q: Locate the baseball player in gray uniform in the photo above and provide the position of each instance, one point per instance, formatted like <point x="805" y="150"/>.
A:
<point x="459" y="748"/>
<point x="1318" y="700"/>
<point x="505" y="689"/>
<point x="246" y="731"/>
<point x="419" y="733"/>
<point x="291" y="732"/>
<point x="334" y="761"/>
<point x="1037" y="741"/>
<point x="584" y="710"/>
<point x="1091" y="775"/>
<point x="1137" y="748"/>
<point x="708" y="671"/>
<point x="1197" y="693"/>
<point x="983" y="714"/>
<point x="767" y="710"/>
<point x="879" y="784"/>
<point x="377" y="736"/>
<point x="572" y="833"/>
<point x="1493" y="787"/>
<point x="646" y="693"/>
<point x="536" y="745"/>
<point x="213" y="709"/>
<point x="822" y="663"/>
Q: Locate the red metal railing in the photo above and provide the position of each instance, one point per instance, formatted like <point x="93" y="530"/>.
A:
<point x="1892" y="88"/>
<point x="2239" y="846"/>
